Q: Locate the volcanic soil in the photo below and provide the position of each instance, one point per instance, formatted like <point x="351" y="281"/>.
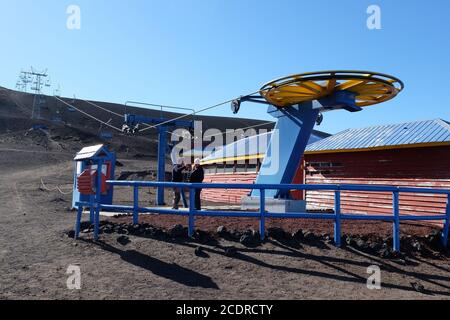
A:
<point x="156" y="260"/>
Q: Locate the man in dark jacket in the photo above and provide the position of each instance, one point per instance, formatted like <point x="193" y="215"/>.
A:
<point x="177" y="176"/>
<point x="197" y="176"/>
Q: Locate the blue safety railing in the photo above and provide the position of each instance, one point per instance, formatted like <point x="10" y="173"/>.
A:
<point x="262" y="214"/>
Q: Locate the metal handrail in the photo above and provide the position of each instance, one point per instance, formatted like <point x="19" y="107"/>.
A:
<point x="337" y="216"/>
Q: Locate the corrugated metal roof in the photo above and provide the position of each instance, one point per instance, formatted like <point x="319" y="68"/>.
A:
<point x="409" y="133"/>
<point x="253" y="145"/>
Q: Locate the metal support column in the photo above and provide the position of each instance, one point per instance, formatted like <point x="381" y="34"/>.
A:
<point x="446" y="224"/>
<point x="396" y="224"/>
<point x="191" y="223"/>
<point x="262" y="211"/>
<point x="98" y="200"/>
<point x="287" y="144"/>
<point x="78" y="222"/>
<point x="136" y="205"/>
<point x="161" y="174"/>
<point x="337" y="221"/>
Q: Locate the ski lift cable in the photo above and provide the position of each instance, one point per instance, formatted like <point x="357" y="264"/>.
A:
<point x="87" y="114"/>
<point x="104" y="109"/>
<point x="224" y="132"/>
<point x="197" y="112"/>
<point x="112" y="112"/>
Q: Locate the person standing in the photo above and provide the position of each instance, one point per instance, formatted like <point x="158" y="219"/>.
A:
<point x="197" y="176"/>
<point x="177" y="176"/>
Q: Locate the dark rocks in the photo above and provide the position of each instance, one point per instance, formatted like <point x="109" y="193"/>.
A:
<point x="249" y="240"/>
<point x="418" y="287"/>
<point x="417" y="246"/>
<point x="309" y="236"/>
<point x="222" y="231"/>
<point x="386" y="253"/>
<point x="123" y="240"/>
<point x="108" y="230"/>
<point x="178" y="231"/>
<point x="297" y="235"/>
<point x="362" y="245"/>
<point x="199" y="252"/>
<point x="235" y="235"/>
<point x="375" y="246"/>
<point x="153" y="232"/>
<point x="230" y="251"/>
<point x="349" y="241"/>
<point x="203" y="237"/>
<point x="434" y="238"/>
<point x="326" y="237"/>
<point x="276" y="233"/>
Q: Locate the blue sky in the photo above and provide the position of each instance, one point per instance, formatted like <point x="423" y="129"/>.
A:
<point x="198" y="53"/>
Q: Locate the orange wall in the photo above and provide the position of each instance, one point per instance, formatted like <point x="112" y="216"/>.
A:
<point x="416" y="167"/>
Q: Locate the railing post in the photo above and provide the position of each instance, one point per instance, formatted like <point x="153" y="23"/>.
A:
<point x="262" y="210"/>
<point x="78" y="222"/>
<point x="446" y="224"/>
<point x="337" y="221"/>
<point x="98" y="200"/>
<point x="396" y="224"/>
<point x="136" y="205"/>
<point x="91" y="209"/>
<point x="192" y="210"/>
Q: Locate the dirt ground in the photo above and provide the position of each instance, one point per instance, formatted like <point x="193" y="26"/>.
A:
<point x="36" y="248"/>
<point x="36" y="252"/>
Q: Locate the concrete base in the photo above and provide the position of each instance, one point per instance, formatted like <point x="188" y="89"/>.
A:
<point x="274" y="205"/>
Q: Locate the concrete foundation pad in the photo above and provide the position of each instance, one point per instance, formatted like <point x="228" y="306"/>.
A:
<point x="274" y="205"/>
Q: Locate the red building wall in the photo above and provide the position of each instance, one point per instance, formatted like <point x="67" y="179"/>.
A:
<point x="414" y="167"/>
<point x="231" y="196"/>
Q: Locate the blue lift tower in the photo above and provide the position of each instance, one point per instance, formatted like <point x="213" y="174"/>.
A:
<point x="297" y="102"/>
<point x="131" y="125"/>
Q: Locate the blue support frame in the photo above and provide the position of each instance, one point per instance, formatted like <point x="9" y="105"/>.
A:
<point x="161" y="174"/>
<point x="164" y="124"/>
<point x="293" y="129"/>
<point x="396" y="223"/>
<point x="135" y="205"/>
<point x="445" y="231"/>
<point x="337" y="221"/>
<point x="262" y="211"/>
<point x="192" y="212"/>
<point x="262" y="215"/>
<point x="287" y="144"/>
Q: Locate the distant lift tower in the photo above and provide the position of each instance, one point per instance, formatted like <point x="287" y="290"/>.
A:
<point x="38" y="80"/>
<point x="131" y="125"/>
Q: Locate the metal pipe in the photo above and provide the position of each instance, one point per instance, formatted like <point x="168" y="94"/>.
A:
<point x="192" y="212"/>
<point x="396" y="223"/>
<point x="446" y="224"/>
<point x="160" y="106"/>
<point x="337" y="221"/>
<point x="136" y="205"/>
<point x="262" y="211"/>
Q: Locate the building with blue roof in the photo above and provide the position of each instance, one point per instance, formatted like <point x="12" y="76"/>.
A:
<point x="415" y="154"/>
